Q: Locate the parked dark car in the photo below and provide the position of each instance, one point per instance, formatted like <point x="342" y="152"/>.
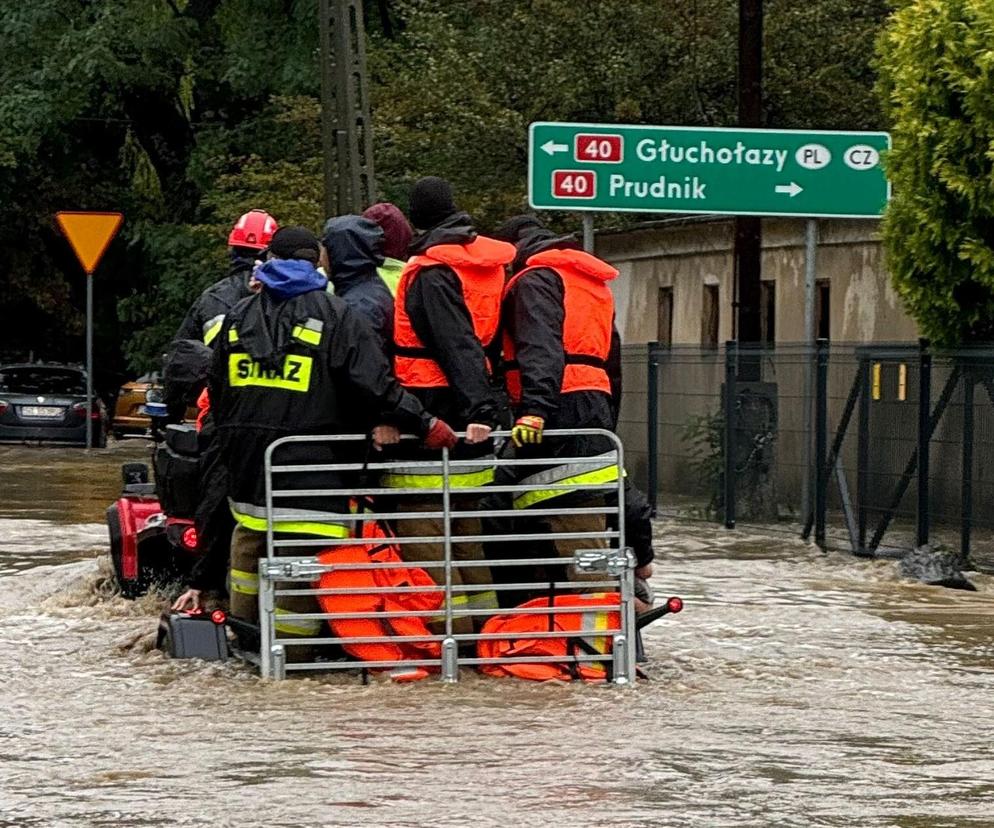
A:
<point x="47" y="402"/>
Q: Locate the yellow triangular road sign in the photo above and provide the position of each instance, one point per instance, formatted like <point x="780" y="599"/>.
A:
<point x="89" y="234"/>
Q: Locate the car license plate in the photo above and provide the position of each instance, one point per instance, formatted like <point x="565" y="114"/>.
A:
<point x="41" y="411"/>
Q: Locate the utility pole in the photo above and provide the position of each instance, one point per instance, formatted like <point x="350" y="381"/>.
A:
<point x="346" y="129"/>
<point x="748" y="229"/>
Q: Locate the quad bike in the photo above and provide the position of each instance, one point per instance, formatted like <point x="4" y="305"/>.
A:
<point x="152" y="534"/>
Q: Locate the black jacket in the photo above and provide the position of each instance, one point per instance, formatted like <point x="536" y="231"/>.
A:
<point x="203" y="320"/>
<point x="340" y="383"/>
<point x="533" y="313"/>
<point x="440" y="318"/>
<point x="355" y="252"/>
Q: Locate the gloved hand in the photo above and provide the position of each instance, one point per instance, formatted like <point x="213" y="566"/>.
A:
<point x="440" y="435"/>
<point x="527" y="429"/>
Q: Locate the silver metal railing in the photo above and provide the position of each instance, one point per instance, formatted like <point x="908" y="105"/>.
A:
<point x="291" y="566"/>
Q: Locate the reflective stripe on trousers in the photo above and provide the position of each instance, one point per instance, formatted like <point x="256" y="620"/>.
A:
<point x="291" y="521"/>
<point x="303" y="627"/>
<point x="244" y="582"/>
<point x="485" y="600"/>
<point x="568" y="474"/>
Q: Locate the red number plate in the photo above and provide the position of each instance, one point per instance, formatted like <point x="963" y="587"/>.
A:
<point x="574" y="184"/>
<point x="598" y="149"/>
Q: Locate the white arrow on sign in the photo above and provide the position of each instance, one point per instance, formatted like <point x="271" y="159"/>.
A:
<point x="552" y="148"/>
<point x="791" y="189"/>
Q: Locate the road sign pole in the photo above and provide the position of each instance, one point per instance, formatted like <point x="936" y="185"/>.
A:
<point x="588" y="232"/>
<point x="89" y="362"/>
<point x="89" y="234"/>
<point x="810" y="271"/>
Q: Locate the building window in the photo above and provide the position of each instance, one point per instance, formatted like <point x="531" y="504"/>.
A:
<point x="710" y="317"/>
<point x="823" y="309"/>
<point x="664" y="319"/>
<point x="768" y="312"/>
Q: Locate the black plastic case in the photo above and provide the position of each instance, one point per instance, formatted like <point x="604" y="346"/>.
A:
<point x="183" y="635"/>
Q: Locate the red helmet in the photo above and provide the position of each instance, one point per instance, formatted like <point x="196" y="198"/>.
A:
<point x="254" y="229"/>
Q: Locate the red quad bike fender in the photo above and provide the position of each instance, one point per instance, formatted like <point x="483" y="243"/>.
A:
<point x="134" y="514"/>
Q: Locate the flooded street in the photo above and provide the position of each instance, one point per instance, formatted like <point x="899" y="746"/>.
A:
<point x="796" y="689"/>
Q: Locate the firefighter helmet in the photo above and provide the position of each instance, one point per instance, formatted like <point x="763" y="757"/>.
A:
<point x="254" y="229"/>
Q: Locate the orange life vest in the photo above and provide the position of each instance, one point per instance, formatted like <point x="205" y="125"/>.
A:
<point x="589" y="316"/>
<point x="203" y="409"/>
<point x="479" y="267"/>
<point x="402" y="576"/>
<point x="585" y="632"/>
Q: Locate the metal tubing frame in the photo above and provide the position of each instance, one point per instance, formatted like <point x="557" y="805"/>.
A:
<point x="855" y="391"/>
<point x="966" y="485"/>
<point x="863" y="454"/>
<point x="909" y="470"/>
<point x="912" y="465"/>
<point x="652" y="425"/>
<point x="821" y="440"/>
<point x="731" y="394"/>
<point x="924" y="440"/>
<point x="279" y="567"/>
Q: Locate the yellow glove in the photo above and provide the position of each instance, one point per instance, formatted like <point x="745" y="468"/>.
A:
<point x="527" y="429"/>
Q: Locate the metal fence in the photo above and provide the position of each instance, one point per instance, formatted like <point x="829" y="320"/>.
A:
<point x="875" y="449"/>
<point x="526" y="559"/>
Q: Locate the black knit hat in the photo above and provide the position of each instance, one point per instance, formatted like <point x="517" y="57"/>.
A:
<point x="295" y="243"/>
<point x="517" y="227"/>
<point x="431" y="202"/>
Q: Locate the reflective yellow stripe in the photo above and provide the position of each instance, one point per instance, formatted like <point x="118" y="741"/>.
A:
<point x="297" y="521"/>
<point x="212" y="327"/>
<point x="526" y="499"/>
<point x="244" y="582"/>
<point x="295" y="375"/>
<point x="295" y="527"/>
<point x="483" y="600"/>
<point x="434" y="481"/>
<point x="458" y="600"/>
<point x="212" y="333"/>
<point x="305" y="627"/>
<point x="232" y="335"/>
<point x="591" y="621"/>
<point x="307" y="335"/>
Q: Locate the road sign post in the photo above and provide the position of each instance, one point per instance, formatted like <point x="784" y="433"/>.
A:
<point x="89" y="235"/>
<point x="757" y="172"/>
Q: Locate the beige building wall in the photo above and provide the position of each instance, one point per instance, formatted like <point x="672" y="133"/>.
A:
<point x="688" y="254"/>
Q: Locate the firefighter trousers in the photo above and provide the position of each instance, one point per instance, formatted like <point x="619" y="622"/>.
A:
<point x="247" y="547"/>
<point x="568" y="547"/>
<point x="483" y="598"/>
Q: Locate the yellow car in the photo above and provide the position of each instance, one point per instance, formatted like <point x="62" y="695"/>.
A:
<point x="128" y="417"/>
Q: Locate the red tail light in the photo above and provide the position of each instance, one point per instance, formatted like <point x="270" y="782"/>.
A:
<point x="219" y="616"/>
<point x="189" y="538"/>
<point x="674" y="604"/>
<point x="4" y="405"/>
<point x="81" y="409"/>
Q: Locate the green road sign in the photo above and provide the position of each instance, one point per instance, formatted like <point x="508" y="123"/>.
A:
<point x="759" y="172"/>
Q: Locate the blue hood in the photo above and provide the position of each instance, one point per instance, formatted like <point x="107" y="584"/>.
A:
<point x="286" y="278"/>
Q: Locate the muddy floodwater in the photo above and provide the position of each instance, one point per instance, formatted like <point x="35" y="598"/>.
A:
<point x="795" y="689"/>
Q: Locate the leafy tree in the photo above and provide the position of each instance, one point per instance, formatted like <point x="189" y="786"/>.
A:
<point x="185" y="113"/>
<point x="937" y="85"/>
